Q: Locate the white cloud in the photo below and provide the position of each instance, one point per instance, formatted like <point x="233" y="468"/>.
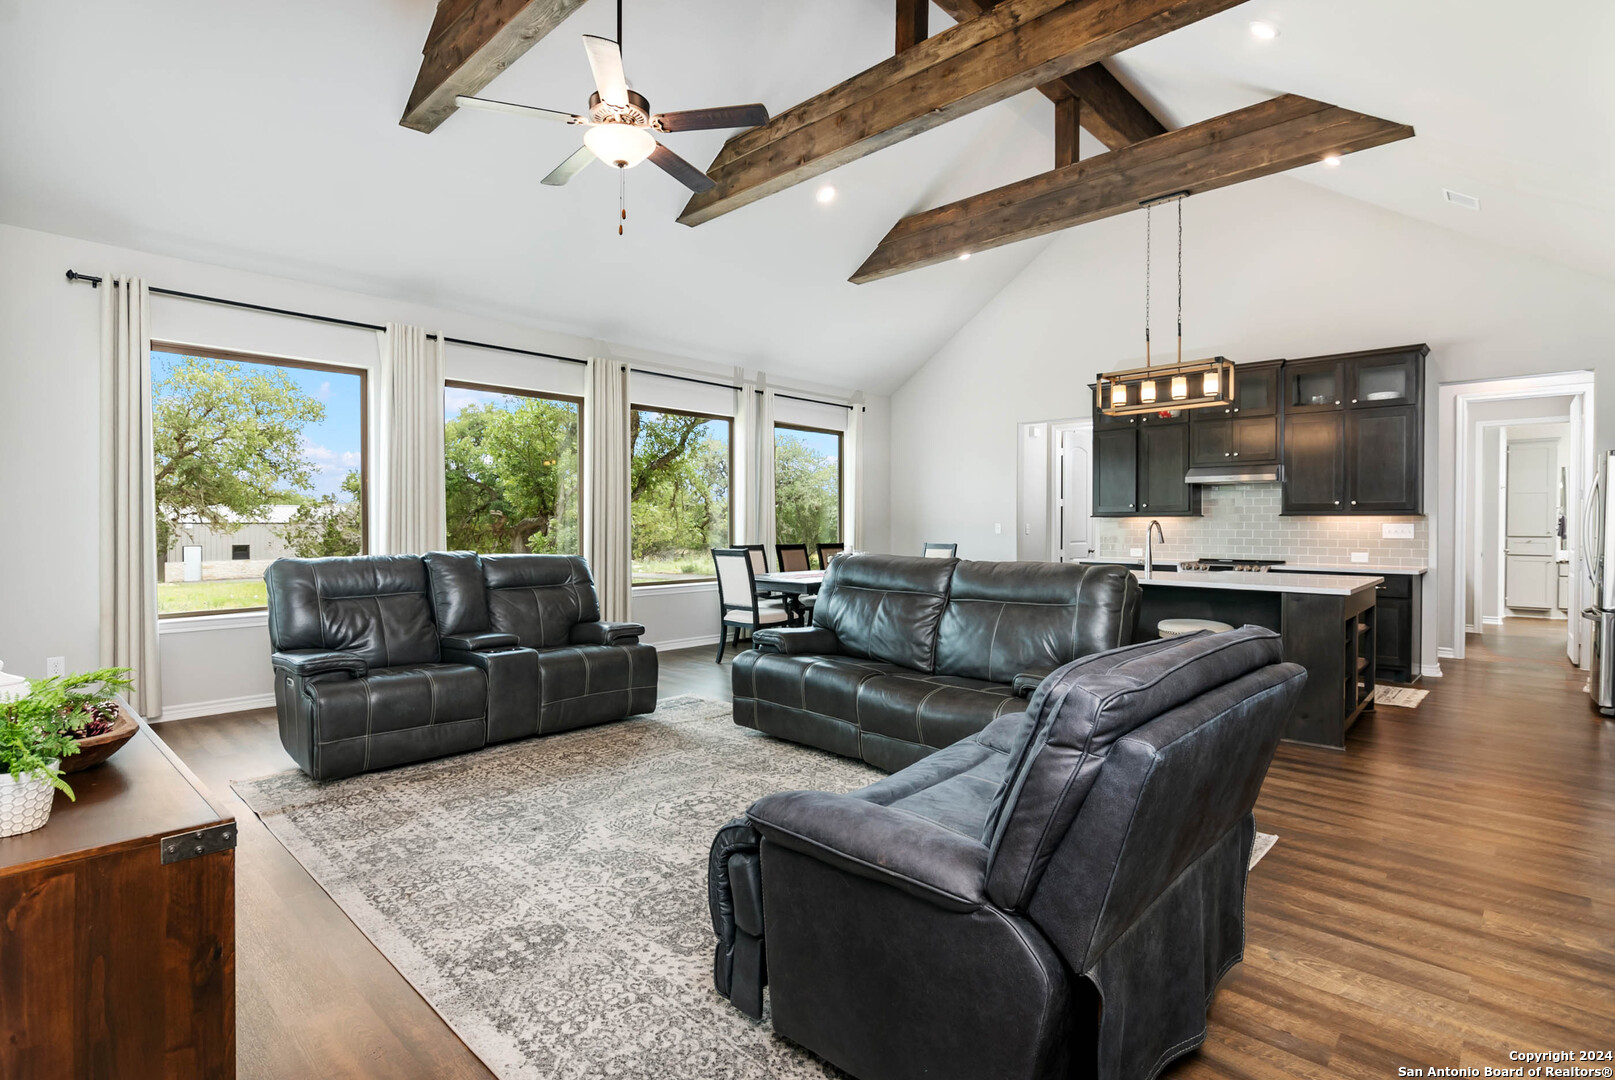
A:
<point x="324" y="459"/>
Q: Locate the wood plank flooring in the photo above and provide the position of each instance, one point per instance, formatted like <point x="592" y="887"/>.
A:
<point x="1443" y="892"/>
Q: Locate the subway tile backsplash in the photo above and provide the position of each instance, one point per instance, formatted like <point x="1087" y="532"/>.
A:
<point x="1243" y="521"/>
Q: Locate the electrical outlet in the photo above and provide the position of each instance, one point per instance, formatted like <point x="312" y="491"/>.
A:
<point x="1137" y="553"/>
<point x="998" y="527"/>
<point x="55" y="667"/>
<point x="1396" y="531"/>
<point x="1359" y="556"/>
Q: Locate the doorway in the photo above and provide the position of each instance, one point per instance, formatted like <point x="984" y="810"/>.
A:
<point x="1054" y="506"/>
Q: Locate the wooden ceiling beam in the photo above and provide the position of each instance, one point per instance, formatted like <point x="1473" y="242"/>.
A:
<point x="1017" y="45"/>
<point x="1272" y="137"/>
<point x="913" y="23"/>
<point x="1111" y="113"/>
<point x="1067" y="122"/>
<point x="470" y="42"/>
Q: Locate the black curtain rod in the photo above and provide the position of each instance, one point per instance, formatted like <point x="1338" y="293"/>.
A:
<point x="732" y="386"/>
<point x="73" y="275"/>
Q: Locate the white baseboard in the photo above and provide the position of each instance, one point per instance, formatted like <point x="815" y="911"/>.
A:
<point x="684" y="643"/>
<point x="1432" y="671"/>
<point x="1471" y="628"/>
<point x="1492" y="620"/>
<point x="1445" y="652"/>
<point x="214" y="708"/>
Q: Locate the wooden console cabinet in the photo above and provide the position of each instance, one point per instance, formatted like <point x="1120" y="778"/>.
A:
<point x="117" y="928"/>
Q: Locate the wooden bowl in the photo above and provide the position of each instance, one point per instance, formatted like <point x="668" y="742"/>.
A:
<point x="96" y="749"/>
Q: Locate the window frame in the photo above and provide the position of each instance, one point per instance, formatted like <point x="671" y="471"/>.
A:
<point x="841" y="477"/>
<point x="265" y="359"/>
<point x="547" y="395"/>
<point x="708" y="579"/>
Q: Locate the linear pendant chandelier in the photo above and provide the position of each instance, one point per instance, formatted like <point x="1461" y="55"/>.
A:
<point x="1195" y="384"/>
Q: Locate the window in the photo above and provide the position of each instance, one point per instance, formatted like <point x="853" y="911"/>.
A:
<point x="252" y="459"/>
<point x="807" y="485"/>
<point x="511" y="479"/>
<point x="680" y="490"/>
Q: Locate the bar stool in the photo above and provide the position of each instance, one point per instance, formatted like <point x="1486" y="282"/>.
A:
<point x="1178" y="627"/>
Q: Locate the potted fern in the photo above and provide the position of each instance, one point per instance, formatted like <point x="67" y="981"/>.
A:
<point x="37" y="731"/>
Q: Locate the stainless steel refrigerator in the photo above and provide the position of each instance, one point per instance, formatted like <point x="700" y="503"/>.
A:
<point x="1598" y="539"/>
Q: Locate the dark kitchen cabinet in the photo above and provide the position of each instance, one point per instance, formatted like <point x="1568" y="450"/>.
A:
<point x="1244" y="432"/>
<point x="1163" y="458"/>
<point x="1314" y="463"/>
<point x="1354" y="433"/>
<point x="1399" y="600"/>
<point x="1383" y="464"/>
<point x="1115" y="472"/>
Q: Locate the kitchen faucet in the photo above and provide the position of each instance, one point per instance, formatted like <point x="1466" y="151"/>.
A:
<point x="1150" y="534"/>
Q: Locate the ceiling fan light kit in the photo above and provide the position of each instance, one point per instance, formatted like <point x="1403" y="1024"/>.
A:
<point x="1193" y="384"/>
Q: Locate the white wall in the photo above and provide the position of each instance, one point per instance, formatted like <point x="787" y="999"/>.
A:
<point x="1273" y="268"/>
<point x="49" y="446"/>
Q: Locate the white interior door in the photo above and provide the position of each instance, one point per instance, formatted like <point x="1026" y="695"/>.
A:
<point x="1074" y="504"/>
<point x="1533" y="488"/>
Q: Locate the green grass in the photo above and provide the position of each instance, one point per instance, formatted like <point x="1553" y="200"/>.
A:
<point x="177" y="597"/>
<point x="673" y="566"/>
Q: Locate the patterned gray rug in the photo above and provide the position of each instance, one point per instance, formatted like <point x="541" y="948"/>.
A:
<point x="548" y="897"/>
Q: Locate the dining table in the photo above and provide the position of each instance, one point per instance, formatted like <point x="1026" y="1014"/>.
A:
<point x="792" y="585"/>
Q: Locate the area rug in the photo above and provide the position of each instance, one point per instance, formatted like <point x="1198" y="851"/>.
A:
<point x="548" y="897"/>
<point x="1404" y="697"/>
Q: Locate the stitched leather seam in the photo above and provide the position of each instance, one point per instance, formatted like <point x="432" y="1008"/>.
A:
<point x="919" y="717"/>
<point x="883" y="872"/>
<point x="367" y="725"/>
<point x="992" y="642"/>
<point x="1014" y="603"/>
<point x="431" y="698"/>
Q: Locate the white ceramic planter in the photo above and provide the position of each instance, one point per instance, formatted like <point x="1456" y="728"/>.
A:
<point x="24" y="804"/>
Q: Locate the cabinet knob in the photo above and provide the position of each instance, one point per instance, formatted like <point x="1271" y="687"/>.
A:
<point x="1236" y="453"/>
<point x="1236" y="408"/>
<point x="1146" y="506"/>
<point x="1337" y="502"/>
<point x="1226" y="454"/>
<point x="1354" y="401"/>
<point x="1354" y="502"/>
<point x="1337" y="401"/>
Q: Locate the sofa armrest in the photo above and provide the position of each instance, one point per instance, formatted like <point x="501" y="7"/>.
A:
<point x="1028" y="681"/>
<point x="607" y="633"/>
<point x="477" y="642"/>
<point x="797" y="641"/>
<point x="894" y="847"/>
<point x="306" y="662"/>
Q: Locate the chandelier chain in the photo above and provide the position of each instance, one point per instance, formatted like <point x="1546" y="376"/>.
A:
<point x="1149" y="217"/>
<point x="1180" y="281"/>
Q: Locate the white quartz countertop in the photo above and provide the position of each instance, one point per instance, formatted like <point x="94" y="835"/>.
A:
<point x="1332" y="568"/>
<point x="1315" y="584"/>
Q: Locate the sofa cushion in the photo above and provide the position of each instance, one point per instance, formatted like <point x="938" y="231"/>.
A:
<point x="932" y="710"/>
<point x="1004" y="618"/>
<point x="396" y="698"/>
<point x="459" y="600"/>
<point x="539" y="598"/>
<point x="885" y="607"/>
<point x="827" y="685"/>
<point x="373" y="606"/>
<point x="1078" y="715"/>
<point x="954" y="787"/>
<point x="583" y="684"/>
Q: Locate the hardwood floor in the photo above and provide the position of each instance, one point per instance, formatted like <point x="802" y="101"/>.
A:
<point x="1443" y="892"/>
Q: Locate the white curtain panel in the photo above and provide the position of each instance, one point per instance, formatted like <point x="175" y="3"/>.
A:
<point x="742" y="488"/>
<point x="765" y="471"/>
<point x="606" y="473"/>
<point x="128" y="497"/>
<point x="409" y="515"/>
<point x="852" y="532"/>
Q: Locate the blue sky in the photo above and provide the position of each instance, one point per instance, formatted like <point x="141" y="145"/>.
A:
<point x="822" y="443"/>
<point x="332" y="446"/>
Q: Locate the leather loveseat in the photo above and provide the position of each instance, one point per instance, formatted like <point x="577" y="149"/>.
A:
<point x="382" y="660"/>
<point x="1056" y="896"/>
<point x="908" y="655"/>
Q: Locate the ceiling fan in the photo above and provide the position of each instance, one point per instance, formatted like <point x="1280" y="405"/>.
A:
<point x="620" y="122"/>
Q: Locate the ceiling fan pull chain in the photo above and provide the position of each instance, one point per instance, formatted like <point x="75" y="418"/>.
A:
<point x="622" y="194"/>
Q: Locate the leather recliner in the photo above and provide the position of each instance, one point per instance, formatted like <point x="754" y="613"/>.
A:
<point x="1056" y="896"/>
<point x="390" y="659"/>
<point x="909" y="655"/>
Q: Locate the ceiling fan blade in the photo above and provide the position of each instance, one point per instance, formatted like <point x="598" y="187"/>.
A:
<point x="728" y="116"/>
<point x="466" y="101"/>
<point x="569" y="168"/>
<point x="680" y="170"/>
<point x="605" y="60"/>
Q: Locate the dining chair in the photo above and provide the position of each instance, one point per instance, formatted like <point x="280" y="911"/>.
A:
<point x="792" y="557"/>
<point x="738" y="604"/>
<point x="941" y="551"/>
<point x="828" y="552"/>
<point x="759" y="565"/>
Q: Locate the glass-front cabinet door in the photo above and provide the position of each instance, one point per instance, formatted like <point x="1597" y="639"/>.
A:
<point x="1256" y="390"/>
<point x="1385" y="379"/>
<point x="1313" y="387"/>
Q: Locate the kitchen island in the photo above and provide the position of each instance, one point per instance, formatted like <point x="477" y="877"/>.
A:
<point x="1327" y="622"/>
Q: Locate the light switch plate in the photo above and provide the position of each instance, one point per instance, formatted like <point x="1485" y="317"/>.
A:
<point x="998" y="527"/>
<point x="1137" y="553"/>
<point x="1359" y="556"/>
<point x="1396" y="531"/>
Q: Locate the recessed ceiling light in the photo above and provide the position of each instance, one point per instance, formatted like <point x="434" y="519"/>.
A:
<point x="1264" y="31"/>
<point x="826" y="193"/>
<point x="1332" y="160"/>
<point x="1458" y="198"/>
<point x="963" y="255"/>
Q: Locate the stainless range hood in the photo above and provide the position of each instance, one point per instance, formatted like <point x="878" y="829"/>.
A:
<point x="1235" y="474"/>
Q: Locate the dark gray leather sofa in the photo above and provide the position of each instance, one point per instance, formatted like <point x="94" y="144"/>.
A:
<point x="1056" y="896"/>
<point x="387" y="659"/>
<point x="908" y="655"/>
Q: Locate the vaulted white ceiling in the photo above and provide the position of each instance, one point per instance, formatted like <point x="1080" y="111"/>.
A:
<point x="266" y="137"/>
